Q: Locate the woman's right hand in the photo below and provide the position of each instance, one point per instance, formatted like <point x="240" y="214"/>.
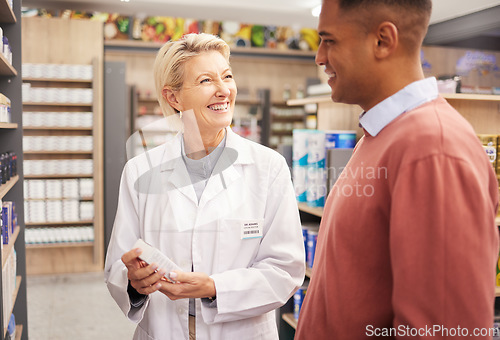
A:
<point x="144" y="278"/>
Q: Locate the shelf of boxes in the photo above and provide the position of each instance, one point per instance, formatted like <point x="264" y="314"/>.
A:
<point x="62" y="150"/>
<point x="13" y="287"/>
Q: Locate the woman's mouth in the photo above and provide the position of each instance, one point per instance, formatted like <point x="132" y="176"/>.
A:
<point x="219" y="107"/>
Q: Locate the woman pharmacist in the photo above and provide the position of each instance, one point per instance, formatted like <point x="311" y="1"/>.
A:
<point x="221" y="207"/>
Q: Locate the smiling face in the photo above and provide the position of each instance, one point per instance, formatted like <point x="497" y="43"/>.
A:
<point x="345" y="52"/>
<point x="210" y="91"/>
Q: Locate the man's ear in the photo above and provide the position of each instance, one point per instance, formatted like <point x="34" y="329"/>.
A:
<point x="171" y="97"/>
<point x="387" y="39"/>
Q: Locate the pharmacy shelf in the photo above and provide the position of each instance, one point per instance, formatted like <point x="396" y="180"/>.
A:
<point x="310" y="210"/>
<point x="19" y="332"/>
<point x="57" y="176"/>
<point x="87" y="198"/>
<point x="4" y="189"/>
<point x="7" y="248"/>
<point x="58" y="80"/>
<point x="309" y="100"/>
<point x="40" y="152"/>
<point x="14" y="297"/>
<point x="278" y="118"/>
<point x="290" y="319"/>
<point x="6" y="69"/>
<point x="6" y="13"/>
<point x="137" y="44"/>
<point x="467" y="96"/>
<point x="55" y="224"/>
<point x="454" y="96"/>
<point x="8" y="126"/>
<point x="308" y="272"/>
<point x="57" y="104"/>
<point x="62" y="128"/>
<point x="60" y="245"/>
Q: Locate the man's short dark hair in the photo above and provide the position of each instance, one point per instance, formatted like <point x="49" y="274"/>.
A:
<point x="419" y="5"/>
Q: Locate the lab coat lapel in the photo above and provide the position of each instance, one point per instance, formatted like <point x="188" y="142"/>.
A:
<point x="227" y="174"/>
<point x="178" y="199"/>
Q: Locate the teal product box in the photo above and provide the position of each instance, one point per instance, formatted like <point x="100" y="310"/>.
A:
<point x="300" y="183"/>
<point x="316" y="186"/>
<point x="299" y="148"/>
<point x="316" y="151"/>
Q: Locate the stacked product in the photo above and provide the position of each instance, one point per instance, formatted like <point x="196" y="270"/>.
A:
<point x="58" y="143"/>
<point x="57" y="71"/>
<point x="72" y="234"/>
<point x="8" y="166"/>
<point x="9" y="220"/>
<point x="491" y="145"/>
<point x="298" y="299"/>
<point x="8" y="285"/>
<point x="310" y="234"/>
<point x="57" y="119"/>
<point x="58" y="200"/>
<point x="299" y="163"/>
<point x="339" y="145"/>
<point x="60" y="167"/>
<point x="5" y="116"/>
<point x="318" y="159"/>
<point x="316" y="172"/>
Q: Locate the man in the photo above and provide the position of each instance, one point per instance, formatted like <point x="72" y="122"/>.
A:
<point x="408" y="244"/>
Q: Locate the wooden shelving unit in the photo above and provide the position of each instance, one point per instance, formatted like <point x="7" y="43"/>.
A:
<point x="290" y="319"/>
<point x="92" y="248"/>
<point x="5" y="188"/>
<point x="8" y="126"/>
<point x="11" y="140"/>
<point x="137" y="44"/>
<point x="310" y="210"/>
<point x="19" y="279"/>
<point x="74" y="42"/>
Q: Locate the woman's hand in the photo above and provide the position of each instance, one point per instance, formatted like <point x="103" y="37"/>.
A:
<point x="188" y="285"/>
<point x="144" y="278"/>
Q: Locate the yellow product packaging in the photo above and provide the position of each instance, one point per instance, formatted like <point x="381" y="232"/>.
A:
<point x="498" y="272"/>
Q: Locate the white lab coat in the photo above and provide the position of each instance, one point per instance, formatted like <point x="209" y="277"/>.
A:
<point x="252" y="276"/>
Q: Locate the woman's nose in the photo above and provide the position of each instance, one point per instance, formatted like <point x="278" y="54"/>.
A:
<point x="223" y="90"/>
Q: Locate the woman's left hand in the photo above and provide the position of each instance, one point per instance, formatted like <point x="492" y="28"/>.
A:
<point x="188" y="285"/>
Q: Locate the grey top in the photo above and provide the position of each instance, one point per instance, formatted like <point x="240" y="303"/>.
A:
<point x="200" y="171"/>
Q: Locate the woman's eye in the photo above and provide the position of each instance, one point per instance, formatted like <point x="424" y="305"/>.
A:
<point x="206" y="80"/>
<point x="229" y="76"/>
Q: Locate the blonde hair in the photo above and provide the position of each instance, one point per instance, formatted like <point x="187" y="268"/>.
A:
<point x="168" y="68"/>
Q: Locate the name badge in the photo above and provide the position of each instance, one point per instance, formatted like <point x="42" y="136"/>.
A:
<point x="251" y="229"/>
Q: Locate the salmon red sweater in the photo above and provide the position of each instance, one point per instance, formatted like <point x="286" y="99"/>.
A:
<point x="408" y="241"/>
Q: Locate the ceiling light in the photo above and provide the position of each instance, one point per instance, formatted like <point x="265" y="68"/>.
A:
<point x="316" y="10"/>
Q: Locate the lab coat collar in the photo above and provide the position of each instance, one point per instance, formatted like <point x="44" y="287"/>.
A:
<point x="172" y="154"/>
<point x="236" y="152"/>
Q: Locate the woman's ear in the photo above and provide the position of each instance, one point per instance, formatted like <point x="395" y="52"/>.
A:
<point x="171" y="98"/>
